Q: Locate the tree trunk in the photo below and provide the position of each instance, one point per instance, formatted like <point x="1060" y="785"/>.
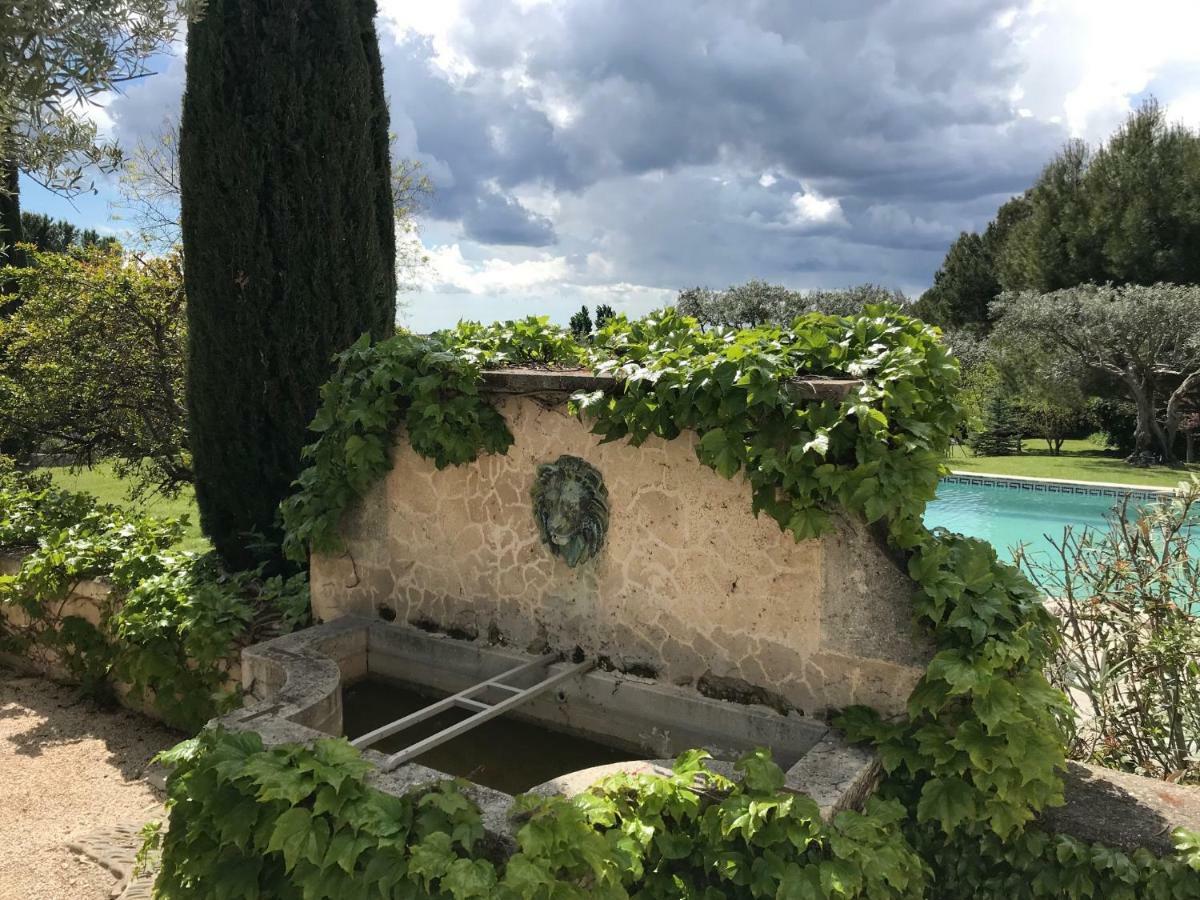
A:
<point x="1175" y="406"/>
<point x="1143" y="437"/>
<point x="1191" y="447"/>
<point x="10" y="230"/>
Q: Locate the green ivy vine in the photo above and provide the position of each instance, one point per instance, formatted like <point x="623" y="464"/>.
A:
<point x="981" y="749"/>
<point x="297" y="821"/>
<point x="172" y="622"/>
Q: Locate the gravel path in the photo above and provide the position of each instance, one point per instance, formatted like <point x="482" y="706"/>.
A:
<point x="66" y="768"/>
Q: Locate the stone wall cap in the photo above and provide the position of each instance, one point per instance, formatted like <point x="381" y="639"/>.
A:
<point x="522" y="380"/>
<point x="1122" y="810"/>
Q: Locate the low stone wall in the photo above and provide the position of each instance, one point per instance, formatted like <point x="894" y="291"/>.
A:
<point x="86" y="602"/>
<point x="689" y="585"/>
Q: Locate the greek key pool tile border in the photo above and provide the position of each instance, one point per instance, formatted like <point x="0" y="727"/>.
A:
<point x="1058" y="487"/>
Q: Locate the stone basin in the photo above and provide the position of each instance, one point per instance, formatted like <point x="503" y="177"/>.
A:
<point x="294" y="686"/>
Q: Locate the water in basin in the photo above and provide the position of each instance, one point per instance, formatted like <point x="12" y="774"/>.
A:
<point x="505" y="753"/>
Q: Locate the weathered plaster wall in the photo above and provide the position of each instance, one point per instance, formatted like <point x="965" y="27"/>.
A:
<point x="689" y="583"/>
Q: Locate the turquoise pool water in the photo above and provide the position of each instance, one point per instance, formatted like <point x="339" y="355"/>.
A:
<point x="1007" y="516"/>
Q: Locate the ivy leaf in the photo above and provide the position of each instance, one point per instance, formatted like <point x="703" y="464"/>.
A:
<point x="673" y="844"/>
<point x="298" y="836"/>
<point x="949" y="801"/>
<point x="760" y="773"/>
<point x="720" y="450"/>
<point x="431" y="858"/>
<point x="468" y="878"/>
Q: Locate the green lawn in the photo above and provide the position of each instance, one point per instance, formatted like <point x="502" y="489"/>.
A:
<point x="1085" y="460"/>
<point x="101" y="482"/>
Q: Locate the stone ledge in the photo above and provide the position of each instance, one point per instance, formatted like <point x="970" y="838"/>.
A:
<point x="835" y="774"/>
<point x="1122" y="810"/>
<point x="567" y="381"/>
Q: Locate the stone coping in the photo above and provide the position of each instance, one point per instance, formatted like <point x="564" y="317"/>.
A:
<point x="519" y="380"/>
<point x="1058" y="486"/>
<point x="1123" y="810"/>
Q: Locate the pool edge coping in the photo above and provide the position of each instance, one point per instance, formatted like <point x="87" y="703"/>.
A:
<point x="1103" y="485"/>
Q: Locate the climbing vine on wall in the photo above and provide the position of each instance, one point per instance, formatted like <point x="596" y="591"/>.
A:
<point x="981" y="748"/>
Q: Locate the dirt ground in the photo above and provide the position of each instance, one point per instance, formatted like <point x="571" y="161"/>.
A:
<point x="66" y="768"/>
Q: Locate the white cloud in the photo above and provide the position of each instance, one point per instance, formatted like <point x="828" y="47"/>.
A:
<point x="450" y="272"/>
<point x="437" y="21"/>
<point x="1089" y="60"/>
<point x="810" y="208"/>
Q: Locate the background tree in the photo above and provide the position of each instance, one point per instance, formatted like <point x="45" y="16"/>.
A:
<point x="604" y="314"/>
<point x="1046" y="389"/>
<point x="59" y="235"/>
<point x="1000" y="429"/>
<point x="1189" y="424"/>
<point x="149" y="188"/>
<point x="1148" y="338"/>
<point x="1127" y="213"/>
<point x="968" y="280"/>
<point x="842" y="301"/>
<point x="288" y="234"/>
<point x="581" y="324"/>
<point x="55" y="58"/>
<point x="92" y="363"/>
<point x="758" y="303"/>
<point x="149" y="198"/>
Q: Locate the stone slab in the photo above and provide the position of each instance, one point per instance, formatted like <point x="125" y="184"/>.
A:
<point x="835" y="774"/>
<point x="1122" y="810"/>
<point x="522" y="380"/>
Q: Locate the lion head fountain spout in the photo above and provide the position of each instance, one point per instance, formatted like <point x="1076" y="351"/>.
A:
<point x="570" y="504"/>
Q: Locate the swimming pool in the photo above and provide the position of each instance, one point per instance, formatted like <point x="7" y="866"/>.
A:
<point x="1011" y="511"/>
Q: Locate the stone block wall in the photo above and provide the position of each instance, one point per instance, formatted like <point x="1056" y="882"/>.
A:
<point x="689" y="586"/>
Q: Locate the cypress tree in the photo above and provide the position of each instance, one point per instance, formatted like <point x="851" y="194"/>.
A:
<point x="288" y="237"/>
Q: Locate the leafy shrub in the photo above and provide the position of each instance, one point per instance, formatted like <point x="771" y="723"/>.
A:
<point x="1117" y="420"/>
<point x="33" y="506"/>
<point x="1129" y="602"/>
<point x="295" y="821"/>
<point x="1053" y="420"/>
<point x="172" y="621"/>
<point x="532" y="340"/>
<point x="92" y="363"/>
<point x="1036" y="865"/>
<point x="877" y="453"/>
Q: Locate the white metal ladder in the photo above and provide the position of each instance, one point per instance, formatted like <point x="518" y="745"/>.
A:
<point x="467" y="699"/>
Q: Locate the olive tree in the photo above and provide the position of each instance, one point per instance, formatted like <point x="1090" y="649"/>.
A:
<point x="55" y="59"/>
<point x="759" y="303"/>
<point x="1147" y="337"/>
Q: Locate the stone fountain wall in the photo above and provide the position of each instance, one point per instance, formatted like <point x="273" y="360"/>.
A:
<point x="689" y="587"/>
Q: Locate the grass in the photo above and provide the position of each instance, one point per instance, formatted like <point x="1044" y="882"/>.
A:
<point x="1083" y="460"/>
<point x="101" y="482"/>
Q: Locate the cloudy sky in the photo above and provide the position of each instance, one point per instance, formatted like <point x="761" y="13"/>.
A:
<point x="585" y="151"/>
